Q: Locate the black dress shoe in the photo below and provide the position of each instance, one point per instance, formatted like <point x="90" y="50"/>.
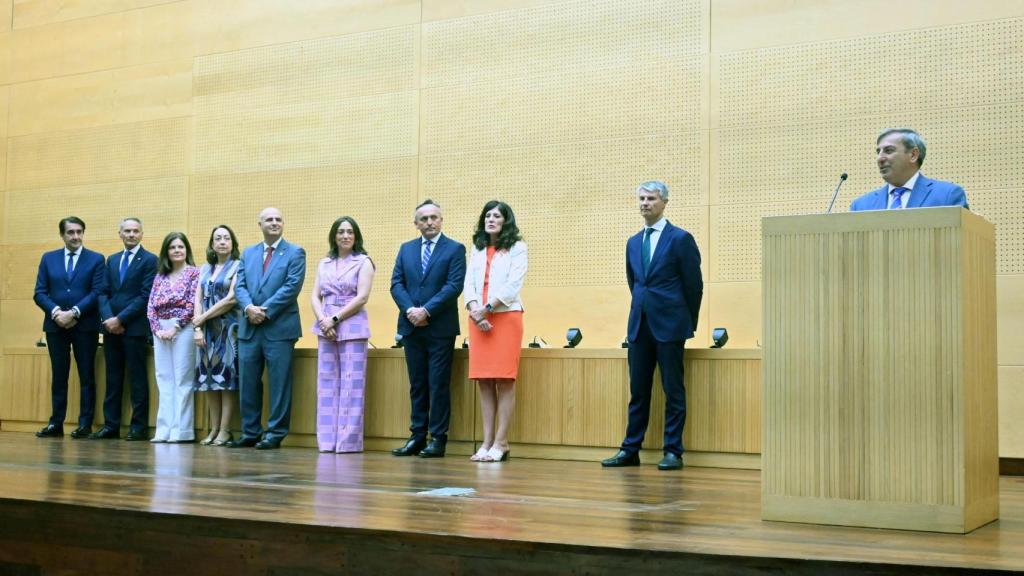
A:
<point x="435" y="449"/>
<point x="243" y="443"/>
<point x="413" y="446"/>
<point x="670" y="462"/>
<point x="622" y="458"/>
<point x="51" y="431"/>
<point x="268" y="444"/>
<point x="135" y="436"/>
<point x="79" y="433"/>
<point x="105" y="434"/>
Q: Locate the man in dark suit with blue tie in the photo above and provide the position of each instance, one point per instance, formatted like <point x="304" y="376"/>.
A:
<point x="269" y="281"/>
<point x="900" y="154"/>
<point x="68" y="286"/>
<point x="129" y="278"/>
<point x="664" y="277"/>
<point x="425" y="284"/>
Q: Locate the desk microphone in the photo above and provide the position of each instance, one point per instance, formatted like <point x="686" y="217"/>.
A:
<point x="842" y="178"/>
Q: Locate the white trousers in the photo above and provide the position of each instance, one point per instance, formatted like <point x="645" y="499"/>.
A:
<point x="175" y="362"/>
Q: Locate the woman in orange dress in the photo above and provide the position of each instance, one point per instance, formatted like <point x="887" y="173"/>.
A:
<point x="494" y="277"/>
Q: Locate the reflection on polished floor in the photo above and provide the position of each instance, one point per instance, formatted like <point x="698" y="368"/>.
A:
<point x="542" y="515"/>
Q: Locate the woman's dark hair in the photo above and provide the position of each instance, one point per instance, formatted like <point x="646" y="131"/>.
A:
<point x="211" y="256"/>
<point x="509" y="234"/>
<point x="163" y="263"/>
<point x="332" y="237"/>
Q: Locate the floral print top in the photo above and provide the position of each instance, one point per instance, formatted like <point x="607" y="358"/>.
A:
<point x="173" y="299"/>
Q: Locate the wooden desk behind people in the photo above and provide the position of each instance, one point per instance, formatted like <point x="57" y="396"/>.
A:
<point x="570" y="403"/>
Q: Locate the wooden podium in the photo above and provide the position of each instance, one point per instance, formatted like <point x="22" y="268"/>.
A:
<point x="880" y="392"/>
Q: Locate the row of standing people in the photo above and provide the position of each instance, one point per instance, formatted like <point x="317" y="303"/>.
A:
<point x="202" y="343"/>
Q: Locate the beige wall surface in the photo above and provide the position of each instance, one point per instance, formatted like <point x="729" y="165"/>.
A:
<point x="190" y="113"/>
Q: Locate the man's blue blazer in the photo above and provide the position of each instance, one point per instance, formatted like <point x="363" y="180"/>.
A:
<point x="927" y="193"/>
<point x="277" y="289"/>
<point x="127" y="300"/>
<point x="669" y="295"/>
<point x="437" y="289"/>
<point x="55" y="290"/>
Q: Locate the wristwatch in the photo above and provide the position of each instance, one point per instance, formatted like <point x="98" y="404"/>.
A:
<point x="335" y="319"/>
<point x="489" y="308"/>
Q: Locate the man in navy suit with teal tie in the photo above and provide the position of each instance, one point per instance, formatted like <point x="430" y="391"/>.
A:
<point x="900" y="154"/>
<point x="664" y="277"/>
<point x="68" y="286"/>
<point x="268" y="285"/>
<point x="425" y="284"/>
<point x="130" y="274"/>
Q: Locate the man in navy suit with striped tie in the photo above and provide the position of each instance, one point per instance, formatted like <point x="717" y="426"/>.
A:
<point x="425" y="284"/>
<point x="130" y="274"/>
<point x="68" y="286"/>
<point x="664" y="277"/>
<point x="900" y="154"/>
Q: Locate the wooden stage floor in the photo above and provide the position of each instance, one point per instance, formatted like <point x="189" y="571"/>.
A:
<point x="97" y="507"/>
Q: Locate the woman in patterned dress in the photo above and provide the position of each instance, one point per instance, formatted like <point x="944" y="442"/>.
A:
<point x="216" y="332"/>
<point x="343" y="282"/>
<point x="170" y="309"/>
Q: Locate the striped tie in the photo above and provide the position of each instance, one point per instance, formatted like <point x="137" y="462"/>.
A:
<point x="897" y="195"/>
<point x="426" y="254"/>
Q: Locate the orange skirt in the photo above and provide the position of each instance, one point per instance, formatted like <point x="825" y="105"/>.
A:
<point x="495" y="354"/>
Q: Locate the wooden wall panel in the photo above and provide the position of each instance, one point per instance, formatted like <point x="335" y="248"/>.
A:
<point x="1011" y="406"/>
<point x="5" y="15"/>
<point x="153" y="34"/>
<point x="739" y="25"/>
<point x="230" y="25"/>
<point x="37" y="12"/>
<point x="141" y="150"/>
<point x="118" y="96"/>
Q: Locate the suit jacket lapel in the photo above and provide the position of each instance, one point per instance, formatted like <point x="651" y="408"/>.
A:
<point x="922" y="188"/>
<point x="275" y="261"/>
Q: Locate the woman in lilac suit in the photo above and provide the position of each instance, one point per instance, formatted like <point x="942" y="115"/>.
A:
<point x="343" y="282"/>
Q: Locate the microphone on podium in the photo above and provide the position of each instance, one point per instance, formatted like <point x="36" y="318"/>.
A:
<point x="842" y="178"/>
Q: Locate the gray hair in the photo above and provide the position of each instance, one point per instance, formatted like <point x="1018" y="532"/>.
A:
<point x="129" y="219"/>
<point x="654" y="186"/>
<point x="910" y="138"/>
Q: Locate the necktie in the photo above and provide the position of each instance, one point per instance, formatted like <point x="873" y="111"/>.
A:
<point x="897" y="194"/>
<point x="71" y="264"/>
<point x="124" y="265"/>
<point x="645" y="250"/>
<point x="426" y="254"/>
<point x="266" y="260"/>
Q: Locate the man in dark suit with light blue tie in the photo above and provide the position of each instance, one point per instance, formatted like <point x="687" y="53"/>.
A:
<point x="425" y="284"/>
<point x="900" y="154"/>
<point x="68" y="285"/>
<point x="268" y="285"/>
<point x="664" y="277"/>
<point x="129" y="278"/>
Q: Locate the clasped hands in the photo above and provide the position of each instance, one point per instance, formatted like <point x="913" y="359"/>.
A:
<point x="479" y="317"/>
<point x="64" y="318"/>
<point x="327" y="327"/>
<point x="417" y="316"/>
<point x="256" y="314"/>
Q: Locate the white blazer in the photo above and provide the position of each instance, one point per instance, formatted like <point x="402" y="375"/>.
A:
<point x="508" y="269"/>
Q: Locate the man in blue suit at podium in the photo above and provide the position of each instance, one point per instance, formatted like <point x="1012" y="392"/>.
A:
<point x="900" y="154"/>
<point x="663" y="272"/>
<point x="68" y="286"/>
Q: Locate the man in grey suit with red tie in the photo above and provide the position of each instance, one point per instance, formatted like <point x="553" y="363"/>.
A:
<point x="130" y="274"/>
<point x="900" y="154"/>
<point x="664" y="277"/>
<point x="426" y="282"/>
<point x="68" y="286"/>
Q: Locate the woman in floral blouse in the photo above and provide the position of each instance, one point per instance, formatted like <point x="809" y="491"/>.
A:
<point x="170" y="310"/>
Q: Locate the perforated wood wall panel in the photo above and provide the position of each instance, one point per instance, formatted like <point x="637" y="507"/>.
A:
<point x="314" y="103"/>
<point x="794" y="117"/>
<point x="140" y="150"/>
<point x="561" y="38"/>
